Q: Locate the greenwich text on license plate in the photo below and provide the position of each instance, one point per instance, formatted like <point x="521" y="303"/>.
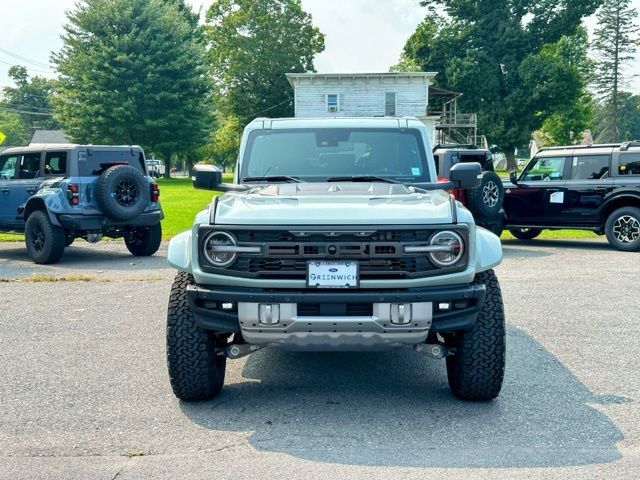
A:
<point x="328" y="274"/>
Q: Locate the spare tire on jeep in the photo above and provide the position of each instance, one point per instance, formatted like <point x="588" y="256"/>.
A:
<point x="486" y="200"/>
<point x="122" y="193"/>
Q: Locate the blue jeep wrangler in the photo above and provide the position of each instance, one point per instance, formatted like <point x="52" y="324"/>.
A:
<point x="57" y="193"/>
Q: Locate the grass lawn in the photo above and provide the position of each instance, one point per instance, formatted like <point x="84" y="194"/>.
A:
<point x="180" y="202"/>
<point x="552" y="234"/>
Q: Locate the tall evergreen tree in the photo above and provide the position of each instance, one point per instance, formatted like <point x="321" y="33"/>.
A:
<point x="615" y="43"/>
<point x="628" y="121"/>
<point x="134" y="72"/>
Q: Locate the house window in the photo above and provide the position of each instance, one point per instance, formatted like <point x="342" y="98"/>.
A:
<point x="390" y="104"/>
<point x="332" y="103"/>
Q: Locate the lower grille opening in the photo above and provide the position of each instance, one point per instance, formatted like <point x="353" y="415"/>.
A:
<point x="335" y="309"/>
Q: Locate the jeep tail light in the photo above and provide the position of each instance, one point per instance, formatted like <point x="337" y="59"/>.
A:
<point x="457" y="194"/>
<point x="73" y="193"/>
<point x="155" y="192"/>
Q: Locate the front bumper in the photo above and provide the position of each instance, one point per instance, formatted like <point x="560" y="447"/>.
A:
<point x="79" y="222"/>
<point x="333" y="329"/>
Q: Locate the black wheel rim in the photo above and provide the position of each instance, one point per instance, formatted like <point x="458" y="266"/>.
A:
<point x="136" y="237"/>
<point x="37" y="238"/>
<point x="126" y="193"/>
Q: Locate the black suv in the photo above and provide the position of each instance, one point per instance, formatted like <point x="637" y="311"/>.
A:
<point x="55" y="194"/>
<point x="595" y="187"/>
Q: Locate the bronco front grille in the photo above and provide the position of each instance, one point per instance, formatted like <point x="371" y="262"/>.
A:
<point x="379" y="251"/>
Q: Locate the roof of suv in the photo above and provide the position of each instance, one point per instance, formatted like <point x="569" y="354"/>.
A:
<point x="460" y="148"/>
<point x="329" y="122"/>
<point x="604" y="148"/>
<point x="64" y="146"/>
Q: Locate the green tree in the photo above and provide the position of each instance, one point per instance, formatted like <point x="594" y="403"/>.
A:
<point x="252" y="45"/>
<point x="614" y="45"/>
<point x="567" y="123"/>
<point x="628" y="122"/>
<point x="30" y="94"/>
<point x="134" y="72"/>
<point x="492" y="52"/>
<point x="13" y="129"/>
<point x="226" y="142"/>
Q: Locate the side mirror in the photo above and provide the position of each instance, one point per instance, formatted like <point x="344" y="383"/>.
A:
<point x="513" y="176"/>
<point x="206" y="177"/>
<point x="465" y="175"/>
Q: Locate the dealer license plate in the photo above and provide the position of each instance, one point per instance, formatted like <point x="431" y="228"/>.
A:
<point x="332" y="274"/>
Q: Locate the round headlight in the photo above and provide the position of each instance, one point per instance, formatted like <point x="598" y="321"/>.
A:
<point x="214" y="249"/>
<point x="453" y="251"/>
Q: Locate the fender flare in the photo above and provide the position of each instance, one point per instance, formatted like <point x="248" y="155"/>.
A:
<point x="38" y="202"/>
<point x="179" y="252"/>
<point x="618" y="197"/>
<point x="488" y="250"/>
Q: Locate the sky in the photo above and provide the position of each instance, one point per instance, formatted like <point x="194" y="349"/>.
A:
<point x="361" y="35"/>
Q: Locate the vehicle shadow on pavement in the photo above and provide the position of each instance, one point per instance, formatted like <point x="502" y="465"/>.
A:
<point x="585" y="244"/>
<point x="80" y="257"/>
<point x="395" y="409"/>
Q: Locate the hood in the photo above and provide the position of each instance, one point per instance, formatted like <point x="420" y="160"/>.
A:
<point x="333" y="204"/>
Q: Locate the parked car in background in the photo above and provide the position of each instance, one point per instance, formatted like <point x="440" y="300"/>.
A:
<point x="55" y="194"/>
<point x="156" y="168"/>
<point x="485" y="201"/>
<point x="594" y="187"/>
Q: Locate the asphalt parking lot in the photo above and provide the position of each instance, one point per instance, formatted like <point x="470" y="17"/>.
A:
<point x="84" y="390"/>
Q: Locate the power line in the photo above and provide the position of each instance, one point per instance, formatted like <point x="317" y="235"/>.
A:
<point x="27" y="107"/>
<point x="267" y="109"/>
<point x="28" y="67"/>
<point x="25" y="59"/>
<point x="26" y="112"/>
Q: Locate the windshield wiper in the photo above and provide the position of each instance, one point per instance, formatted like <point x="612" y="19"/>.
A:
<point x="273" y="178"/>
<point x="362" y="178"/>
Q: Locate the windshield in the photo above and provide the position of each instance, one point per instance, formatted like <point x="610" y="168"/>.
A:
<point x="317" y="154"/>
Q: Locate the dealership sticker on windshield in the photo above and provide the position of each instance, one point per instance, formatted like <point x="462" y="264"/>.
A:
<point x="332" y="274"/>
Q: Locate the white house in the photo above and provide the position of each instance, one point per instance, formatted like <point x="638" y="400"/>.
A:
<point x="364" y="94"/>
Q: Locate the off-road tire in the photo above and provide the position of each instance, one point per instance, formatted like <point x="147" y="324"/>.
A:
<point x="122" y="193"/>
<point x="622" y="227"/>
<point x="476" y="371"/>
<point x="144" y="241"/>
<point x="487" y="199"/>
<point x="525" y="233"/>
<point x="196" y="372"/>
<point x="44" y="241"/>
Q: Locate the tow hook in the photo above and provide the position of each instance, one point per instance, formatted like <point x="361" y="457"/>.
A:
<point x="434" y="350"/>
<point x="239" y="350"/>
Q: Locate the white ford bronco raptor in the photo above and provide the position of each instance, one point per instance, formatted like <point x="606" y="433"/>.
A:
<point x="335" y="236"/>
